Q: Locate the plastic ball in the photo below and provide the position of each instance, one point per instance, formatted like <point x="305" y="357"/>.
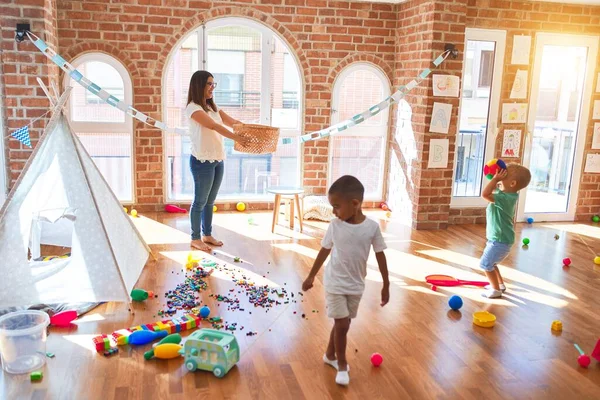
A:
<point x="240" y="206"/>
<point x="125" y="209"/>
<point x="529" y="220"/>
<point x="214" y="208"/>
<point x="455" y="302"/>
<point x="134" y="213"/>
<point x="597" y="260"/>
<point x="383" y="206"/>
<point x="434" y="288"/>
<point x="388" y="214"/>
<point x="376" y="359"/>
<point x="526" y="242"/>
<point x="596" y="218"/>
<point x="492" y="167"/>
<point x="584" y="360"/>
<point x="204" y="312"/>
<point x="556" y="237"/>
<point x="566" y="261"/>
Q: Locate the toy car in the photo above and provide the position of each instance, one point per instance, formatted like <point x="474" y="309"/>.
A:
<point x="211" y="350"/>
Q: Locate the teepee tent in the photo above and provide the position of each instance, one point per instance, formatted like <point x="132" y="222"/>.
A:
<point x="61" y="198"/>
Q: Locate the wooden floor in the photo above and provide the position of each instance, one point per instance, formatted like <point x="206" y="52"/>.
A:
<point x="429" y="351"/>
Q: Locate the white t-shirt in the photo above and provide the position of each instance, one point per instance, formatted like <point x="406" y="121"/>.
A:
<point x="345" y="273"/>
<point x="207" y="145"/>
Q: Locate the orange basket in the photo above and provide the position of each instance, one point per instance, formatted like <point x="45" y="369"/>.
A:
<point x="263" y="139"/>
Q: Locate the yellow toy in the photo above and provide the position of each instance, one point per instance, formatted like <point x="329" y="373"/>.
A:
<point x="240" y="206"/>
<point x="214" y="208"/>
<point x="134" y="213"/>
<point x="557" y="326"/>
<point x="125" y="209"/>
<point x="597" y="260"/>
<point x="191" y="262"/>
<point x="167" y="351"/>
<point x="484" y="319"/>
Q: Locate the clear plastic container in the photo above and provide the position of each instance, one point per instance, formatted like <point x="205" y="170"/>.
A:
<point x="23" y="341"/>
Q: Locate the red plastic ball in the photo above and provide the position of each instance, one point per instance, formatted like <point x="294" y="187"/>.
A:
<point x="377" y="359"/>
<point x="584" y="360"/>
<point x="567" y="261"/>
<point x="434" y="288"/>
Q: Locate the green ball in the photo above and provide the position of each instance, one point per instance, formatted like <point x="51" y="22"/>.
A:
<point x="489" y="177"/>
<point x="526" y="241"/>
<point x="596" y="218"/>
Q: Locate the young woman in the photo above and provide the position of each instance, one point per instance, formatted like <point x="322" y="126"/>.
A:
<point x="208" y="152"/>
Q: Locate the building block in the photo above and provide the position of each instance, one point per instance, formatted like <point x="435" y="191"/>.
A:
<point x="36" y="376"/>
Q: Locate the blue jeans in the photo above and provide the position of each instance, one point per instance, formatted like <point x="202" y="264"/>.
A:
<point x="207" y="181"/>
<point x="493" y="253"/>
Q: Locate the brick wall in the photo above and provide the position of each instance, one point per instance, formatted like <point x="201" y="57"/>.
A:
<point x="20" y="64"/>
<point x="420" y="196"/>
<point x="141" y="33"/>
<point x="528" y="18"/>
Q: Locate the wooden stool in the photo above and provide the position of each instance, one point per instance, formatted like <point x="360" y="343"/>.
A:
<point x="291" y="195"/>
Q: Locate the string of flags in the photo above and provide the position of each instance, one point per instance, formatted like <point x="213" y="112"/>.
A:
<point x="22" y="134"/>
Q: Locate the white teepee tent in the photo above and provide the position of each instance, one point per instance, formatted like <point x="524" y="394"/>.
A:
<point x="61" y="186"/>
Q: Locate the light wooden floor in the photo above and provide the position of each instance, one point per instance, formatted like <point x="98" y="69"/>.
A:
<point x="429" y="351"/>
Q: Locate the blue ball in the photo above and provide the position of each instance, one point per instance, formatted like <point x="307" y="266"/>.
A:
<point x="204" y="312"/>
<point x="455" y="302"/>
<point x="501" y="164"/>
<point x="530" y="220"/>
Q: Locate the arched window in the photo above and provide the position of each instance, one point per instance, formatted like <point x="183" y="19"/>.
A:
<point x="360" y="150"/>
<point x="258" y="81"/>
<point x="105" y="131"/>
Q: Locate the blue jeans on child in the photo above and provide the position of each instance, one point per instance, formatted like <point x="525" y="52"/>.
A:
<point x="207" y="181"/>
<point x="493" y="253"/>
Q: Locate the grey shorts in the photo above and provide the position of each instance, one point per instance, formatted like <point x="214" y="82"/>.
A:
<point x="342" y="305"/>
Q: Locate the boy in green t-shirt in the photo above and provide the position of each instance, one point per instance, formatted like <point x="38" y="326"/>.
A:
<point x="502" y="193"/>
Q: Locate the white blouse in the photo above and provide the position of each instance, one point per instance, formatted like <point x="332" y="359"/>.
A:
<point x="206" y="144"/>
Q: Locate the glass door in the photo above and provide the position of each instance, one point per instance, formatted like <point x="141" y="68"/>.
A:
<point x="558" y="117"/>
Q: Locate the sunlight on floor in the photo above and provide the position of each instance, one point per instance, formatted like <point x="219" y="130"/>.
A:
<point x="154" y="232"/>
<point x="89" y="318"/>
<point x="260" y="228"/>
<point x="509" y="274"/>
<point x="85" y="341"/>
<point x="581" y="229"/>
<point x="227" y="271"/>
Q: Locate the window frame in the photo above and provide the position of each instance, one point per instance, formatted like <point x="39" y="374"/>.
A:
<point x="488" y="35"/>
<point x="108" y="127"/>
<point x="359" y="130"/>
<point x="267" y="36"/>
<point x="3" y="169"/>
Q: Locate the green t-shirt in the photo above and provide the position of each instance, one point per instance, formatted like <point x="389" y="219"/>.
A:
<point x="500" y="217"/>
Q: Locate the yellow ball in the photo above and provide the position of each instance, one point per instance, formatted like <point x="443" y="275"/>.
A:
<point x="597" y="260"/>
<point x="125" y="209"/>
<point x="214" y="208"/>
<point x="388" y="214"/>
<point x="240" y="206"/>
<point x="492" y="162"/>
<point x="133" y="213"/>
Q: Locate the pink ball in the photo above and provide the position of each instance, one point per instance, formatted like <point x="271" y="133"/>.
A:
<point x="377" y="359"/>
<point x="434" y="288"/>
<point x="584" y="360"/>
<point x="567" y="261"/>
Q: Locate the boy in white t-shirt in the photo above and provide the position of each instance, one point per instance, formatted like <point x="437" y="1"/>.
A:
<point x="348" y="239"/>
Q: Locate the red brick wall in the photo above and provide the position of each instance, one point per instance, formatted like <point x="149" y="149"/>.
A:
<point x="528" y="18"/>
<point x="20" y="64"/>
<point x="418" y="195"/>
<point x="142" y="33"/>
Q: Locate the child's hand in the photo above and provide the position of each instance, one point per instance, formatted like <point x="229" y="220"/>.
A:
<point x="308" y="283"/>
<point x="500" y="175"/>
<point x="385" y="295"/>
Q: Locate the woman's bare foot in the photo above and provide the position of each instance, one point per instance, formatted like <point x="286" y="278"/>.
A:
<point x="200" y="245"/>
<point x="212" y="240"/>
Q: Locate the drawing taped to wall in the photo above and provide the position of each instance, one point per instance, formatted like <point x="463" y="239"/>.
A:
<point x="446" y="85"/>
<point x="440" y="118"/>
<point x="511" y="143"/>
<point x="438" y="153"/>
<point x="514" y="113"/>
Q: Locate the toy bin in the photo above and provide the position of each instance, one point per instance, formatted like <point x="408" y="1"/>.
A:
<point x="23" y="341"/>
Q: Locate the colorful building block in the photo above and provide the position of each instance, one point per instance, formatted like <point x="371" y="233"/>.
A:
<point x="36" y="376"/>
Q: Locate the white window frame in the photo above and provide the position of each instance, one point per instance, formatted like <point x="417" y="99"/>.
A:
<point x="361" y="130"/>
<point x="488" y="35"/>
<point x="267" y="42"/>
<point x="3" y="175"/>
<point x="108" y="127"/>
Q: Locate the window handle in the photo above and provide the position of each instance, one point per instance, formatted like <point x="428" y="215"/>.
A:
<point x="333" y="110"/>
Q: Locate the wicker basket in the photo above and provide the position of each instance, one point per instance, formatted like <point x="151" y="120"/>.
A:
<point x="263" y="139"/>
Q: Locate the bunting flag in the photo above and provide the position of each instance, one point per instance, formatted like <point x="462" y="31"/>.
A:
<point x="323" y="133"/>
<point x="22" y="135"/>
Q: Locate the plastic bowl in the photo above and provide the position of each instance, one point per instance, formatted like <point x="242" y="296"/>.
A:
<point x="23" y="341"/>
<point x="484" y="319"/>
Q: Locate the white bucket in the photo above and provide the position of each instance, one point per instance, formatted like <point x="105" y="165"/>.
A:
<point x="23" y="341"/>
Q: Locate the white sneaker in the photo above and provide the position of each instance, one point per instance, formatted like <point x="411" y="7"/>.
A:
<point x="492" y="294"/>
<point x="342" y="378"/>
<point x="502" y="287"/>
<point x="327" y="361"/>
<point x="333" y="363"/>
